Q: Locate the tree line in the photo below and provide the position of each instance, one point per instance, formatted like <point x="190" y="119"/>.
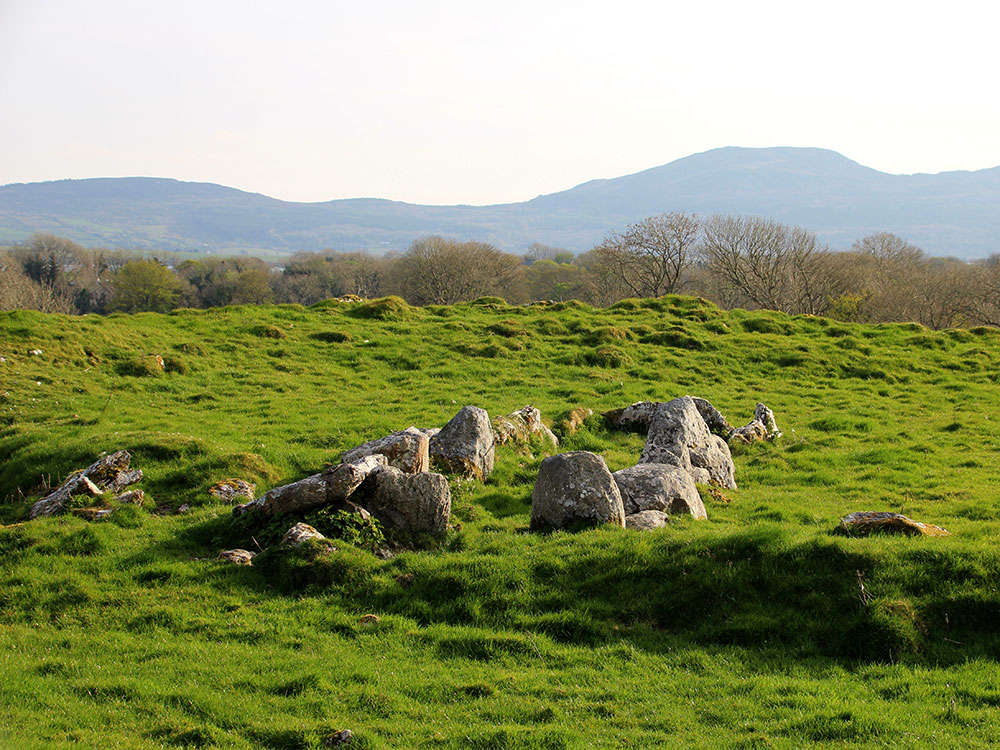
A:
<point x="735" y="261"/>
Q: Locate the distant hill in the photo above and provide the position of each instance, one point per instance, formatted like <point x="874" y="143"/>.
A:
<point x="951" y="213"/>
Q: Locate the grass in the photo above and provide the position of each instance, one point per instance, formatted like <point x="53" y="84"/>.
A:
<point x="756" y="628"/>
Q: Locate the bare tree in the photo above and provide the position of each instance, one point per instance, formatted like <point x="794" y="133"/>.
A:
<point x="649" y="258"/>
<point x="769" y="264"/>
<point x="441" y="271"/>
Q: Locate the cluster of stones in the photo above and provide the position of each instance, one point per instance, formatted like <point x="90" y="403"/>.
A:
<point x="108" y="474"/>
<point x="686" y="444"/>
<point x="391" y="480"/>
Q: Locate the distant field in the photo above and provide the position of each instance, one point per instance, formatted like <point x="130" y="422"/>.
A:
<point x="754" y="629"/>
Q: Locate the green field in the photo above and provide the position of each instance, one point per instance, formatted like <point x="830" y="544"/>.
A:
<point x="757" y="628"/>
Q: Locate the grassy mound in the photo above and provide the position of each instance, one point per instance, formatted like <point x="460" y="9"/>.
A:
<point x="756" y="628"/>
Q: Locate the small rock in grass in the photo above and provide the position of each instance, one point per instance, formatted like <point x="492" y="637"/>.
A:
<point x="229" y="490"/>
<point x="92" y="514"/>
<point x="646" y="520"/>
<point x="866" y="522"/>
<point x="237" y="556"/>
<point x="300" y="533"/>
<point x="136" y="497"/>
<point x="338" y="739"/>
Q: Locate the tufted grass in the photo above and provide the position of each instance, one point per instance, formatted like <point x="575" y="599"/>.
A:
<point x="756" y="628"/>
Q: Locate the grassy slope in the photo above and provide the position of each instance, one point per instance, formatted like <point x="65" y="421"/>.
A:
<point x="748" y="630"/>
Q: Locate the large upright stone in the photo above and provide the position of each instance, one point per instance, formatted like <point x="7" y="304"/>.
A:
<point x="406" y="450"/>
<point x="466" y="445"/>
<point x="575" y="487"/>
<point x="678" y="436"/>
<point x="659" y="487"/>
<point x="411" y="503"/>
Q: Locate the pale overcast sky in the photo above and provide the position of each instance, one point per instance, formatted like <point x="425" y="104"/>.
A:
<point x="448" y="101"/>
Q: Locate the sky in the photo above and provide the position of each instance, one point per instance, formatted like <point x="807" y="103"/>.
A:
<point x="444" y="102"/>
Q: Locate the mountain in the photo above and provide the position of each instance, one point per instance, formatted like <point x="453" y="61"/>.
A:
<point x="951" y="213"/>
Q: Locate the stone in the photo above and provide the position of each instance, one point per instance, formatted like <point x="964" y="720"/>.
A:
<point x="717" y="460"/>
<point x="237" y="556"/>
<point x="520" y="426"/>
<point x="659" y="487"/>
<point x="109" y="473"/>
<point x="761" y="427"/>
<point x="342" y="480"/>
<point x="637" y="416"/>
<point x="93" y="514"/>
<point x="865" y="522"/>
<point x="699" y="475"/>
<point x="713" y="417"/>
<point x="185" y="508"/>
<point x="135" y="497"/>
<point x="230" y="490"/>
<point x="406" y="450"/>
<point x="296" y="497"/>
<point x="338" y="739"/>
<point x="678" y="436"/>
<point x="299" y="534"/>
<point x="575" y="487"/>
<point x="466" y="445"/>
<point x="409" y="503"/>
<point x="646" y="520"/>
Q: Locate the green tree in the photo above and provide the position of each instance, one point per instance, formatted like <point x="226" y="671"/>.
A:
<point x="144" y="285"/>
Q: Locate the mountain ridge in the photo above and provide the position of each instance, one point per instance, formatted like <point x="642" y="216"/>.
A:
<point x="949" y="213"/>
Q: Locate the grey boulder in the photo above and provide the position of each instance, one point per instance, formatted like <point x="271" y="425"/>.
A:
<point x="659" y="487"/>
<point x="410" y="503"/>
<point x="646" y="520"/>
<point x="466" y="445"/>
<point x="575" y="487"/>
<point x="406" y="450"/>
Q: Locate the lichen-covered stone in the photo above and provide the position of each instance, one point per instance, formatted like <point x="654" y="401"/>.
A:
<point x="109" y="473"/>
<point x="231" y="490"/>
<point x="237" y="556"/>
<point x="575" y="487"/>
<point x="659" y="487"/>
<point x="466" y="445"/>
<point x="678" y="436"/>
<point x="406" y="450"/>
<point x="300" y="533"/>
<point x="865" y="522"/>
<point x="762" y="427"/>
<point x="409" y="503"/>
<point x="342" y="480"/>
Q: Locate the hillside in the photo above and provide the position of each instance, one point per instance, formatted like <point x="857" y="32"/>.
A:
<point x="950" y="213"/>
<point x="754" y="628"/>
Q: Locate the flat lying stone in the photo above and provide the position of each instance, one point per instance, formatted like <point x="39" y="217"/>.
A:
<point x="646" y="520"/>
<point x="230" y="490"/>
<point x="107" y="474"/>
<point x="866" y="522"/>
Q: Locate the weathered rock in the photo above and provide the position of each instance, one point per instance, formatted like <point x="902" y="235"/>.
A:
<point x="406" y="450"/>
<point x="338" y="739"/>
<point x="713" y="417"/>
<point x="237" y="556"/>
<point x="699" y="475"/>
<point x="717" y="459"/>
<point x="296" y="497"/>
<point x="135" y="497"/>
<point x="761" y="427"/>
<point x="342" y="480"/>
<point x="466" y="445"/>
<point x="410" y="503"/>
<point x="299" y="534"/>
<point x="575" y="487"/>
<point x="520" y="426"/>
<point x="637" y="416"/>
<point x="659" y="487"/>
<point x="430" y="431"/>
<point x="230" y="490"/>
<point x="646" y="520"/>
<point x="109" y="473"/>
<point x="678" y="436"/>
<point x="865" y="522"/>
